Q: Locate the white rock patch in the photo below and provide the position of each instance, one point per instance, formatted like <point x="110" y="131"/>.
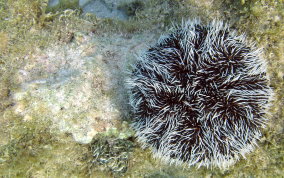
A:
<point x="78" y="87"/>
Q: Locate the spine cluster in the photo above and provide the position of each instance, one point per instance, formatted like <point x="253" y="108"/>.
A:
<point x="200" y="95"/>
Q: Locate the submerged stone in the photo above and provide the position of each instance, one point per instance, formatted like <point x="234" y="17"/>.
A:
<point x="68" y="86"/>
<point x="104" y="10"/>
<point x="101" y="8"/>
<point x="78" y="86"/>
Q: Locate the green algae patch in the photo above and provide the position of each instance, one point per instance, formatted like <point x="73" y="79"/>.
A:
<point x="36" y="151"/>
<point x="4" y="38"/>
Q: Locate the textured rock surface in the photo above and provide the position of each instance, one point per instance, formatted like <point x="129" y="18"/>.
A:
<point x="68" y="85"/>
<point x="78" y="87"/>
<point x="53" y="2"/>
<point x="102" y="8"/>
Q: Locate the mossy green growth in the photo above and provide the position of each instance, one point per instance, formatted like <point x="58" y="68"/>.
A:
<point x="27" y="143"/>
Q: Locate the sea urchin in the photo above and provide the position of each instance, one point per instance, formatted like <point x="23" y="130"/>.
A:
<point x="200" y="95"/>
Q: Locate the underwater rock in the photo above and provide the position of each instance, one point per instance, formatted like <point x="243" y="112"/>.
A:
<point x="105" y="9"/>
<point x="101" y="8"/>
<point x="53" y="3"/>
<point x="70" y="86"/>
<point x="78" y="86"/>
<point x="82" y="3"/>
<point x="66" y="85"/>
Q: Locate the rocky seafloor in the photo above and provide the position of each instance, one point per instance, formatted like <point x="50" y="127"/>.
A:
<point x="64" y="108"/>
